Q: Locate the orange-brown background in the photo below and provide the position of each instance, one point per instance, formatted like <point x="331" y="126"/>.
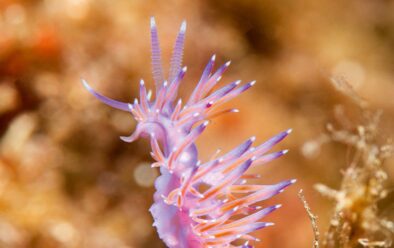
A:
<point x="66" y="180"/>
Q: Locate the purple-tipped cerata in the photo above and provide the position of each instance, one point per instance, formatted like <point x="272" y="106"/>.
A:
<point x="198" y="204"/>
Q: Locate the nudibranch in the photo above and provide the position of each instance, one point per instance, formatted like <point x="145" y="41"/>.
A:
<point x="198" y="204"/>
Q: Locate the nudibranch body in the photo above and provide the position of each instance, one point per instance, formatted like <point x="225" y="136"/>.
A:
<point x="198" y="204"/>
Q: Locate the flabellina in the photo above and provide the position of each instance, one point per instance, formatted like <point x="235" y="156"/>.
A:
<point x="198" y="204"/>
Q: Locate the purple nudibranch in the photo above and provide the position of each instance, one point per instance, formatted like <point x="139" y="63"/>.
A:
<point x="184" y="214"/>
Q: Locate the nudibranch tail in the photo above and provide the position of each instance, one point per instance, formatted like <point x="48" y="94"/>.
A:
<point x="198" y="204"/>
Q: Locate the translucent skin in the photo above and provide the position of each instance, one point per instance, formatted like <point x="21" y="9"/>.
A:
<point x="198" y="204"/>
<point x="175" y="227"/>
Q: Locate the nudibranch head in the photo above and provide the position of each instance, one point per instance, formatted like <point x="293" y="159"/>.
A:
<point x="198" y="204"/>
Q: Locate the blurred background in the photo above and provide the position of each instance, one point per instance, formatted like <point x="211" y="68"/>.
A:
<point x="66" y="179"/>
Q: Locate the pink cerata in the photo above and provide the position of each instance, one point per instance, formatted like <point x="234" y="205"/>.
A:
<point x="198" y="204"/>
